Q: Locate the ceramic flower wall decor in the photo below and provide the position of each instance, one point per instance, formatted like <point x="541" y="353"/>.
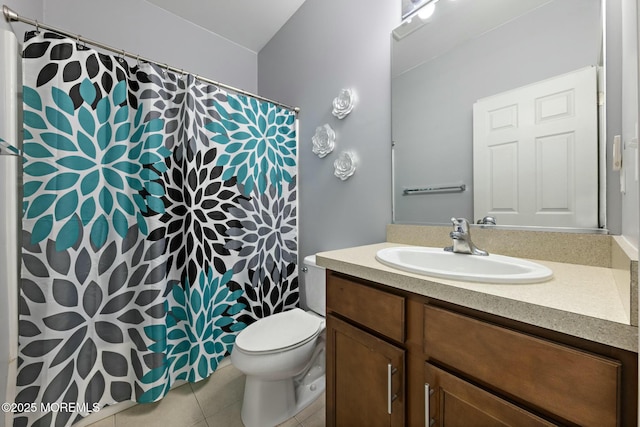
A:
<point x="345" y="165"/>
<point x="343" y="103"/>
<point x="323" y="141"/>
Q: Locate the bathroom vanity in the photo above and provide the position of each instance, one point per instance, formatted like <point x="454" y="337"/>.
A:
<point x="409" y="350"/>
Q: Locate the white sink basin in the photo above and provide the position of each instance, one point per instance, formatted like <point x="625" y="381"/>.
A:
<point x="437" y="262"/>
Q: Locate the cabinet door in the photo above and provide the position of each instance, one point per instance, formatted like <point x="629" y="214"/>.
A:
<point x="365" y="378"/>
<point x="453" y="402"/>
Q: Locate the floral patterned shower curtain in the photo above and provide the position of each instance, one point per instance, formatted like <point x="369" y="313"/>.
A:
<point x="159" y="220"/>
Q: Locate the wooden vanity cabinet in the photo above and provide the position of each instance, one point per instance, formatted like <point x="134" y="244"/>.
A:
<point x="459" y="367"/>
<point x="365" y="367"/>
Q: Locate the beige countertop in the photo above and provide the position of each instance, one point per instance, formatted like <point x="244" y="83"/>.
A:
<point x="579" y="300"/>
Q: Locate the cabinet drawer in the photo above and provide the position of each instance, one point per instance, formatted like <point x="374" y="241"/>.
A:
<point x="578" y="386"/>
<point x="375" y="309"/>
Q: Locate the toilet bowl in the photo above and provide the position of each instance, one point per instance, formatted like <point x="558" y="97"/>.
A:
<point x="283" y="357"/>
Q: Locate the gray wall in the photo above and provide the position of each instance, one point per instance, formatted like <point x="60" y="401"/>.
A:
<point x="326" y="46"/>
<point x="33" y="9"/>
<point x="144" y="29"/>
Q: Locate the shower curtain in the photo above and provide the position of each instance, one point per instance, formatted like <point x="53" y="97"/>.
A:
<point x="159" y="220"/>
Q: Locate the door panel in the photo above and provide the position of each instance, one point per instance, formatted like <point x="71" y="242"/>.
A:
<point x="535" y="155"/>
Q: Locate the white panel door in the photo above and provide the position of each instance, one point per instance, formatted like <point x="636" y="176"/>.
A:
<point x="535" y="153"/>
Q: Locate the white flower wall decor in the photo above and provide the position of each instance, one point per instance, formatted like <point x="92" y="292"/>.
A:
<point x="345" y="165"/>
<point x="343" y="103"/>
<point x="324" y="140"/>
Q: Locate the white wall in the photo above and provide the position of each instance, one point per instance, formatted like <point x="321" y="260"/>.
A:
<point x="630" y="120"/>
<point x="142" y="28"/>
<point x="328" y="45"/>
<point x="637" y="35"/>
<point x="10" y="88"/>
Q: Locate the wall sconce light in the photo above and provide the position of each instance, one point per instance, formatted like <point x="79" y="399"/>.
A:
<point x="426" y="11"/>
<point x="409" y="24"/>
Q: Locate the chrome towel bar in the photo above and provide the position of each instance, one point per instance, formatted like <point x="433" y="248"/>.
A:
<point x="435" y="189"/>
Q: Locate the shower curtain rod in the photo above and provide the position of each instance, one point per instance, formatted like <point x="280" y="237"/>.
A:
<point x="10" y="16"/>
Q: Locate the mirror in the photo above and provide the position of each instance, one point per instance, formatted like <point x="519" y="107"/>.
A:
<point x="471" y="51"/>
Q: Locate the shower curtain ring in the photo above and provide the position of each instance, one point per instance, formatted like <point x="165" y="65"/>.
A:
<point x="37" y="27"/>
<point x="138" y="61"/>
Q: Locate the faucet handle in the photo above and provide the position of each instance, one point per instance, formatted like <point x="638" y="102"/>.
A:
<point x="460" y="224"/>
<point x="462" y="243"/>
<point x="488" y="220"/>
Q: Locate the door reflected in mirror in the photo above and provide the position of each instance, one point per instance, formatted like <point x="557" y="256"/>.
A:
<point x="535" y="157"/>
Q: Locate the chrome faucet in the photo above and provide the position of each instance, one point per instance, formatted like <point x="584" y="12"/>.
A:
<point x="461" y="236"/>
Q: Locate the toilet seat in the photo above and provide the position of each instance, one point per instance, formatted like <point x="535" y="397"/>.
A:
<point x="279" y="332"/>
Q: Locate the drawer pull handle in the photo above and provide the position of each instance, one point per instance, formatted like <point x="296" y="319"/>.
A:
<point x="390" y="396"/>
<point x="428" y="421"/>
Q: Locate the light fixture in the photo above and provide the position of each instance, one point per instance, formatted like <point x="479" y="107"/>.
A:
<point x="409" y="25"/>
<point x="423" y="11"/>
<point x="426" y="11"/>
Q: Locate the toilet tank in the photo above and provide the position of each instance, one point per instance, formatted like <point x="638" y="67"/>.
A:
<point x="315" y="286"/>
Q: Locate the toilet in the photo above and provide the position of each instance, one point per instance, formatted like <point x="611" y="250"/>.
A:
<point x="283" y="357"/>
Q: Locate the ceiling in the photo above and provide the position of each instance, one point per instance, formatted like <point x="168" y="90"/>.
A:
<point x="249" y="23"/>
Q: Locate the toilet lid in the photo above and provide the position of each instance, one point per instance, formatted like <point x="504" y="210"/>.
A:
<point x="279" y="331"/>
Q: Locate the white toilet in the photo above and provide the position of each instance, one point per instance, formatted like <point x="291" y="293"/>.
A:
<point x="283" y="357"/>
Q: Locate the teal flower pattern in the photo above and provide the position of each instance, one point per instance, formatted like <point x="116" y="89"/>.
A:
<point x="200" y="329"/>
<point x="90" y="166"/>
<point x="259" y="143"/>
<point x="159" y="219"/>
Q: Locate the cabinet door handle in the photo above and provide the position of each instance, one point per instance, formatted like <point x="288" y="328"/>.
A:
<point x="428" y="421"/>
<point x="390" y="396"/>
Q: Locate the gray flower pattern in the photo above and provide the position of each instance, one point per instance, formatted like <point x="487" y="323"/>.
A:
<point x="196" y="254"/>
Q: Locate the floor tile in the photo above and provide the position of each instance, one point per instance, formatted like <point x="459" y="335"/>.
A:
<point x="223" y="388"/>
<point x="227" y="417"/>
<point x="310" y="410"/>
<point x="179" y="408"/>
<point x="105" y="422"/>
<point x="291" y="422"/>
<point x="316" y="420"/>
<point x="213" y="402"/>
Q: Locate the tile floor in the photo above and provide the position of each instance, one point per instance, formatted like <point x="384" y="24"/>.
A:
<point x="213" y="402"/>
